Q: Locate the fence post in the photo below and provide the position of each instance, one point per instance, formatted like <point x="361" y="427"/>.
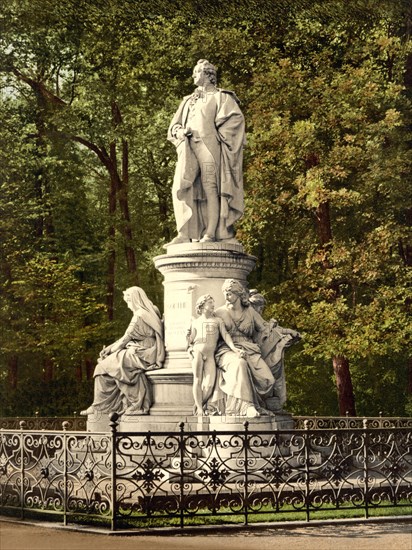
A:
<point x="182" y="472"/>
<point x="65" y="425"/>
<point x="307" y="469"/>
<point x="245" y="497"/>
<point x="365" y="465"/>
<point x="22" y="426"/>
<point x="113" y="417"/>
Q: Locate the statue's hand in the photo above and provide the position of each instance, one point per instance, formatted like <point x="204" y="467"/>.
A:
<point x="105" y="352"/>
<point x="180" y="134"/>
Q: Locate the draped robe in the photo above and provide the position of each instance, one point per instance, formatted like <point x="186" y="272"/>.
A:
<point x="220" y="121"/>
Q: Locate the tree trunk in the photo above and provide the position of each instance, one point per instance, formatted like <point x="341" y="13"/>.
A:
<point x="79" y="372"/>
<point x="89" y="364"/>
<point x="122" y="183"/>
<point x="48" y="369"/>
<point x="162" y="192"/>
<point x="344" y="385"/>
<point x="111" y="262"/>
<point x="405" y="251"/>
<point x="13" y="371"/>
<point x="410" y="376"/>
<point x="123" y="193"/>
<point x="323" y="223"/>
<point x="340" y="363"/>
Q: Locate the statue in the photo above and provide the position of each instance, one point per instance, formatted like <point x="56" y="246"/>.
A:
<point x="243" y="382"/>
<point x="208" y="131"/>
<point x="202" y="338"/>
<point x="273" y="351"/>
<point x="120" y="383"/>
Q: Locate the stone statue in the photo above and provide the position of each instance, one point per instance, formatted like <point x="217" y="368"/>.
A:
<point x="273" y="350"/>
<point x="120" y="383"/>
<point x="208" y="131"/>
<point x="202" y="337"/>
<point x="244" y="381"/>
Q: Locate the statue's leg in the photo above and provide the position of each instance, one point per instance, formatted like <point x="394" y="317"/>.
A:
<point x="197" y="366"/>
<point x="209" y="377"/>
<point x="107" y="396"/>
<point x="209" y="173"/>
<point x="182" y="194"/>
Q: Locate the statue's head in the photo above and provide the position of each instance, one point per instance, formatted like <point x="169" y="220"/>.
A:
<point x="208" y="69"/>
<point x="236" y="287"/>
<point x="257" y="300"/>
<point x="136" y="297"/>
<point x="201" y="302"/>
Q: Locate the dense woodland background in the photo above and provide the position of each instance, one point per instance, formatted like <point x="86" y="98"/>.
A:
<point x="88" y="88"/>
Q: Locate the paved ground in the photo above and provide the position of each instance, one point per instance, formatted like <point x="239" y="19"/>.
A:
<point x="371" y="536"/>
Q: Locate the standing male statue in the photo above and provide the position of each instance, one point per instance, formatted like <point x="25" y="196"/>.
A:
<point x="208" y="131"/>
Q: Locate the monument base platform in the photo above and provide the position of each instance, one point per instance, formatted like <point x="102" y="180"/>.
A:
<point x="171" y="422"/>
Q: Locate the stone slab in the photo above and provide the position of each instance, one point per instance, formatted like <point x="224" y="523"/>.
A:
<point x="168" y="421"/>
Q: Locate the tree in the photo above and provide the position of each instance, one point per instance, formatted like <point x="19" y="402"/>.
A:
<point x="330" y="170"/>
<point x="88" y="93"/>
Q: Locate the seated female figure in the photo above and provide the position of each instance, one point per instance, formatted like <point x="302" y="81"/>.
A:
<point x="243" y="382"/>
<point x="120" y="383"/>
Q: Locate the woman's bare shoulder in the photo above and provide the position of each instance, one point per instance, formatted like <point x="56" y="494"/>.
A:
<point x="222" y="312"/>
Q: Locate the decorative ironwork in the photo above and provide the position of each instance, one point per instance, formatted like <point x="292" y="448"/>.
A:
<point x="74" y="423"/>
<point x="129" y="479"/>
<point x="349" y="422"/>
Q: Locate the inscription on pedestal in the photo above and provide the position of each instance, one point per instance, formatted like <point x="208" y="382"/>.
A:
<point x="178" y="313"/>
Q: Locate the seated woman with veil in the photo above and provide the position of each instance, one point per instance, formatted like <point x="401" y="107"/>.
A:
<point x="120" y="383"/>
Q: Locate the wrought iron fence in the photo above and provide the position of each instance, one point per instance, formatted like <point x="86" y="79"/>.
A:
<point x="342" y="422"/>
<point x="79" y="423"/>
<point x="75" y="423"/>
<point x="129" y="480"/>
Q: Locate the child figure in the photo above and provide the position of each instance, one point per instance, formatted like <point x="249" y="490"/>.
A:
<point x="202" y="340"/>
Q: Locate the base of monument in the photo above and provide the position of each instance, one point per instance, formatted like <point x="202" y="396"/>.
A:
<point x="163" y="421"/>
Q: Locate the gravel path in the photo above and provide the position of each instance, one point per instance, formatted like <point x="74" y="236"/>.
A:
<point x="370" y="536"/>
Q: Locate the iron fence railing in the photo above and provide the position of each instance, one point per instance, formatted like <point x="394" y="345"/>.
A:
<point x="79" y="423"/>
<point x="74" y="423"/>
<point x="129" y="480"/>
<point x="347" y="422"/>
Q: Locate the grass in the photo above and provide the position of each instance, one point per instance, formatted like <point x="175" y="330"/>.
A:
<point x="224" y="517"/>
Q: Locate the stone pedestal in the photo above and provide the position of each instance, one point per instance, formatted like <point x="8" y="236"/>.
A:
<point x="170" y="422"/>
<point x="190" y="270"/>
<point x="228" y="447"/>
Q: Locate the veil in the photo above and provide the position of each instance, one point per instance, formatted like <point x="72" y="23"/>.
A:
<point x="150" y="314"/>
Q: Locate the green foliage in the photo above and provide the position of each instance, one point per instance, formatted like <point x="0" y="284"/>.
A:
<point x="59" y="397"/>
<point x="328" y="114"/>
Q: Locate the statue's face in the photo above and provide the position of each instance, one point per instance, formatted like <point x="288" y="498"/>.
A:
<point x="209" y="306"/>
<point x="199" y="76"/>
<point x="128" y="299"/>
<point x="259" y="308"/>
<point x="231" y="297"/>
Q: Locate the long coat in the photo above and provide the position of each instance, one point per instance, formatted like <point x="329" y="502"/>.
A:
<point x="223" y="121"/>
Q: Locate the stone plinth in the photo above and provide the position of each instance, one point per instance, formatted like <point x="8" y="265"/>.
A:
<point x="170" y="421"/>
<point x="228" y="447"/>
<point x="190" y="270"/>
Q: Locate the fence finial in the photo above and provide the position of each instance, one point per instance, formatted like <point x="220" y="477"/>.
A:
<point x="113" y="417"/>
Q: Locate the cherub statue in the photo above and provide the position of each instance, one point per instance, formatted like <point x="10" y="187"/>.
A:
<point x="202" y="339"/>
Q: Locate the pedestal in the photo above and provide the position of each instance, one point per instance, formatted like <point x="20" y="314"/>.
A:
<point x="190" y="270"/>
